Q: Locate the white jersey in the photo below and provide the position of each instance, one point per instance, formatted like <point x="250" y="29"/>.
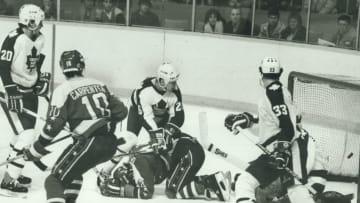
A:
<point x="156" y="106"/>
<point x="277" y="115"/>
<point x="21" y="59"/>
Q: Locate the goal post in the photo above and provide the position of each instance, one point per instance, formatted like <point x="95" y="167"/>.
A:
<point x="330" y="106"/>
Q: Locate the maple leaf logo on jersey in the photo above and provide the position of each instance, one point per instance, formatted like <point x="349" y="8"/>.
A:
<point x="159" y="108"/>
<point x="274" y="87"/>
<point x="32" y="60"/>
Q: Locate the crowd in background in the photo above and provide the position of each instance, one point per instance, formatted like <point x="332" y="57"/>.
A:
<point x="332" y="22"/>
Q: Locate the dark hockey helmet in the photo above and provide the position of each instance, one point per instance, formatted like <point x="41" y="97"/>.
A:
<point x="72" y="61"/>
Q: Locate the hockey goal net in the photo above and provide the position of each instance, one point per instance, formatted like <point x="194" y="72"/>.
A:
<point x="330" y="106"/>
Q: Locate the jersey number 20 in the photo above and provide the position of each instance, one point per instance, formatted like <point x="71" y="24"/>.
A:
<point x="6" y="55"/>
<point x="96" y="105"/>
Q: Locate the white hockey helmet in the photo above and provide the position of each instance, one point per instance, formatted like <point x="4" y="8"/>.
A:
<point x="31" y="16"/>
<point x="270" y="68"/>
<point x="166" y="74"/>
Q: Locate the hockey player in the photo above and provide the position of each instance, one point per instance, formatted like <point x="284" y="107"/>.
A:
<point x="21" y="59"/>
<point x="158" y="102"/>
<point x="278" y="133"/>
<point x="177" y="157"/>
<point x="90" y="110"/>
<point x="157" y="106"/>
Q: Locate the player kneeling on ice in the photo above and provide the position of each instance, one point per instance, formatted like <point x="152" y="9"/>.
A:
<point x="171" y="155"/>
<point x="288" y="146"/>
<point x="91" y="111"/>
<point x="157" y="106"/>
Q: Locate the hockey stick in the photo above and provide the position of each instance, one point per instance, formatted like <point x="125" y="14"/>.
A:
<point x="247" y="134"/>
<point x="11" y="159"/>
<point x="212" y="148"/>
<point x="35" y="115"/>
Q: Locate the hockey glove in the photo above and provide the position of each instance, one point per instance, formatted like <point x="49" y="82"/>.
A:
<point x="279" y="158"/>
<point x="35" y="152"/>
<point x="244" y="120"/>
<point x="158" y="139"/>
<point x="125" y="174"/>
<point x="172" y="130"/>
<point x="41" y="87"/>
<point x="14" y="98"/>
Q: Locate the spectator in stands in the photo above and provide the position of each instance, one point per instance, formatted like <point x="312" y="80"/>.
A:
<point x="6" y="9"/>
<point x="49" y="8"/>
<point x="144" y="16"/>
<point x="88" y="10"/>
<point x="345" y="36"/>
<point x="323" y="6"/>
<point x="237" y="25"/>
<point x="110" y="13"/>
<point x="295" y="31"/>
<point x="272" y="28"/>
<point x="213" y="22"/>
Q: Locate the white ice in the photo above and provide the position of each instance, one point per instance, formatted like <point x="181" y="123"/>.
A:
<point x="89" y="193"/>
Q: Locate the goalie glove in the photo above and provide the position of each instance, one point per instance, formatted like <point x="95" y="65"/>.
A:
<point x="41" y="87"/>
<point x="280" y="157"/>
<point x="244" y="120"/>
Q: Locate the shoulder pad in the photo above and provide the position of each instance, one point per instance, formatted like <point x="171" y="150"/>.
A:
<point x="147" y="82"/>
<point x="275" y="86"/>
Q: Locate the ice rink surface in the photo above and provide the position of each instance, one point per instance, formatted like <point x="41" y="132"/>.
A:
<point x="235" y="145"/>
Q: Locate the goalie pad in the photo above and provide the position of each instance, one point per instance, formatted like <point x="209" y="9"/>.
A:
<point x="176" y="179"/>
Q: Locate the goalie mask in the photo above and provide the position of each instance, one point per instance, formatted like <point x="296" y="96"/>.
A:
<point x="270" y="68"/>
<point x="167" y="76"/>
<point x="31" y="17"/>
<point x="72" y="61"/>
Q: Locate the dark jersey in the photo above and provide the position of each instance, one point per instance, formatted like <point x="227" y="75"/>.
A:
<point x="277" y="115"/>
<point x="21" y="59"/>
<point x="85" y="105"/>
<point x="155" y="105"/>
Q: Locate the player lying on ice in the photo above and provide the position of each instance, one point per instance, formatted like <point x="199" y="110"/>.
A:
<point x="157" y="107"/>
<point x="91" y="111"/>
<point x="173" y="156"/>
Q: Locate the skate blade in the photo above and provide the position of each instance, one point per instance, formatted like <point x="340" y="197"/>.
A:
<point x="224" y="185"/>
<point x="8" y="193"/>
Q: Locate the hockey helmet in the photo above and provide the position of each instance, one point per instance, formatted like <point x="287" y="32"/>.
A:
<point x="31" y="16"/>
<point x="72" y="61"/>
<point x="166" y="74"/>
<point x="270" y="68"/>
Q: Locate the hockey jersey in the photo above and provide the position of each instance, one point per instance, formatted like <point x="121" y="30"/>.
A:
<point x="277" y="115"/>
<point x="85" y="105"/>
<point x="21" y="59"/>
<point x="156" y="106"/>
